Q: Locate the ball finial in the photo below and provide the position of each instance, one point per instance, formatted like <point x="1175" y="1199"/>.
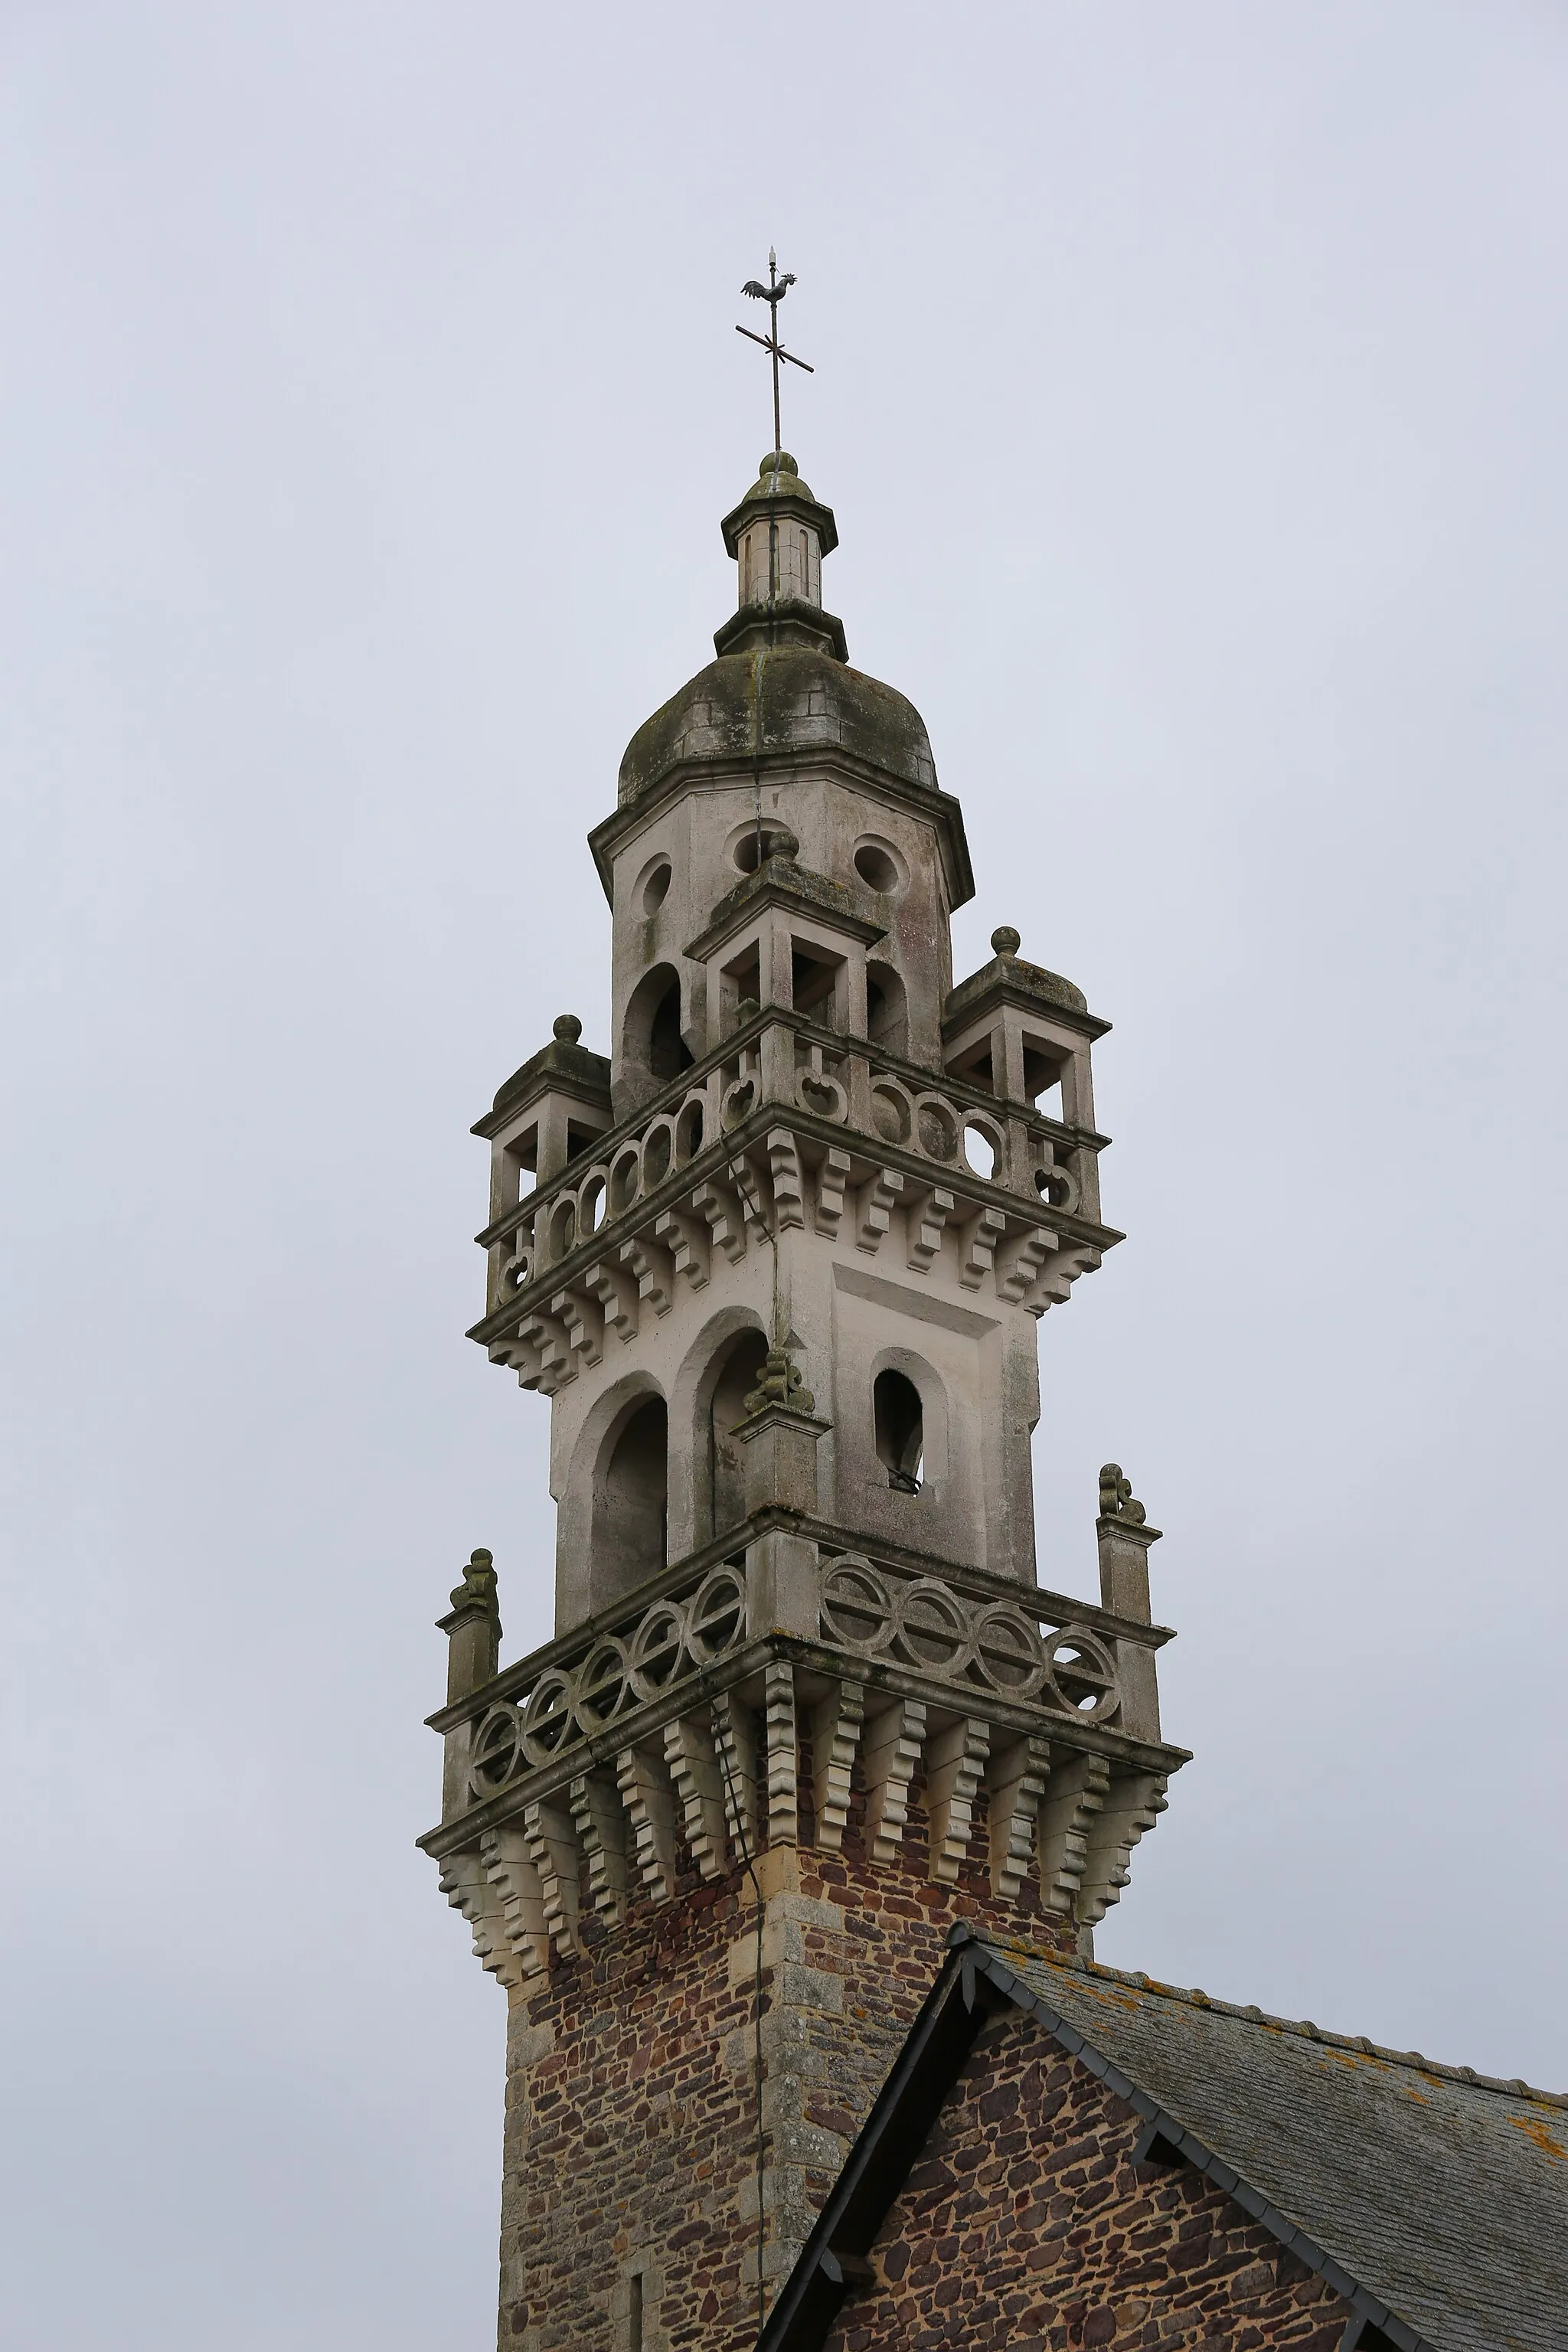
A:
<point x="568" y="1028"/>
<point x="1007" y="940"/>
<point x="778" y="461"/>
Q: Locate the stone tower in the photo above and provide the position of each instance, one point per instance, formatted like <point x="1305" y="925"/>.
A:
<point x="778" y="1264"/>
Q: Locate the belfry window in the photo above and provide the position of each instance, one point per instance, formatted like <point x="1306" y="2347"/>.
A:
<point x="886" y="1009"/>
<point x="726" y="1463"/>
<point x="667" y="1054"/>
<point x="900" y="1431"/>
<point x="630" y="1519"/>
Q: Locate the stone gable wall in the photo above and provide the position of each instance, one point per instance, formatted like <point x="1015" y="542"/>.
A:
<point x="1026" y="2224"/>
<point x="631" y="2127"/>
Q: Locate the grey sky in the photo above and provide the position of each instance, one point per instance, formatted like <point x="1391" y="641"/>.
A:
<point x="1191" y="396"/>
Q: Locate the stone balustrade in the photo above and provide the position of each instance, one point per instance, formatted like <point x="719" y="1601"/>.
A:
<point x="682" y="1731"/>
<point x="790" y="1127"/>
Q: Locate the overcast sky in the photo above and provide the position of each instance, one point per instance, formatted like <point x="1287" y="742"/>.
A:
<point x="1190" y="392"/>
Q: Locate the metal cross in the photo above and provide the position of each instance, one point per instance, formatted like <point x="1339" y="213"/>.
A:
<point x="773" y="294"/>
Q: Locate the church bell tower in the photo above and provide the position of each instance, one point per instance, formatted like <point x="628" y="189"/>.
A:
<point x="777" y="1261"/>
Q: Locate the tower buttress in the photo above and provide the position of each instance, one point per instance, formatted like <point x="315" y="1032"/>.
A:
<point x="778" y="1262"/>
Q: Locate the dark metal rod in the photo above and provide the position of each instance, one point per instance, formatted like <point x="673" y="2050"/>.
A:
<point x="774" y="323"/>
<point x="754" y="338"/>
<point x="795" y="362"/>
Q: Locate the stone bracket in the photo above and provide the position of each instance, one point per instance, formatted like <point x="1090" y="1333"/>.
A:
<point x="926" y="1219"/>
<point x="1074" y="1795"/>
<point x="1016" y="1780"/>
<point x="552" y="1838"/>
<point x="955" y="1767"/>
<point x="835" y="1737"/>
<point x="695" y="1773"/>
<point x="1132" y="1805"/>
<point x="893" y="1739"/>
<point x="650" y="1815"/>
<point x="784" y="1801"/>
<point x="601" y="1824"/>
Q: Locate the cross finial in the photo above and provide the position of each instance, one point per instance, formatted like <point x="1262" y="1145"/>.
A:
<point x="773" y="294"/>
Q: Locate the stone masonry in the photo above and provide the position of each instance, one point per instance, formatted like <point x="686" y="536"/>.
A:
<point x="1027" y="2224"/>
<point x="632" y="2136"/>
<point x="777" y="1263"/>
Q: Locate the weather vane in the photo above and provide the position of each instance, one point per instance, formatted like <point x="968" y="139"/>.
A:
<point x="773" y="294"/>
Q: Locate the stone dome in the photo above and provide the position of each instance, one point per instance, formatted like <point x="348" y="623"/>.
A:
<point x="808" y="701"/>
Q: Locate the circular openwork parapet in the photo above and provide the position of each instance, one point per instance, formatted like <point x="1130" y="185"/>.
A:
<point x="715" y="1616"/>
<point x="1007" y="1651"/>
<point x="656" y="1651"/>
<point x="857" y="1607"/>
<point x="496" y="1751"/>
<point x="815" y="1091"/>
<point x="601" y="1684"/>
<point x="547" y="1721"/>
<point x="932" y="1629"/>
<point x="1080" y="1674"/>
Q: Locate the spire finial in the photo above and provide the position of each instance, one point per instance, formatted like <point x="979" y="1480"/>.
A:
<point x="773" y="294"/>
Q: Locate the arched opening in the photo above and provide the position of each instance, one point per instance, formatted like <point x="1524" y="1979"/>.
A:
<point x="653" y="1049"/>
<point x="667" y="1054"/>
<point x="737" y="1376"/>
<point x="886" y="1009"/>
<point x="631" y="1505"/>
<point x="900" y="1431"/>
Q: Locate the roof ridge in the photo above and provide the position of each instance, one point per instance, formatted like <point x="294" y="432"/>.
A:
<point x="1076" y="1965"/>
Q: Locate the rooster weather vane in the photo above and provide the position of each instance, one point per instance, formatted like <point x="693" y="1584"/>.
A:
<point x="773" y="294"/>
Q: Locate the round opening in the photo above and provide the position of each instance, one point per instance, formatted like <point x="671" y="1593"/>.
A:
<point x="776" y="841"/>
<point x="876" y="866"/>
<point x="656" y="889"/>
<point x="980" y="1150"/>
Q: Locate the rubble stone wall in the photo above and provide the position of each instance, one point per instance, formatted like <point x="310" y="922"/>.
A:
<point x="629" y="2198"/>
<point x="1024" y="2223"/>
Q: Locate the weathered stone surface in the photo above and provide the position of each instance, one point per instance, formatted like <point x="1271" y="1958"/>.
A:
<point x="1026" y="2225"/>
<point x="632" y="2102"/>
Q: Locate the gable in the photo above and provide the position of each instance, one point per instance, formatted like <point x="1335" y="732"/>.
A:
<point x="1028" y="2220"/>
<point x="1008" y="2178"/>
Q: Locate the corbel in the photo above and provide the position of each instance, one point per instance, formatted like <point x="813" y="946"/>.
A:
<point x="893" y="1741"/>
<point x="600" y="1824"/>
<point x="955" y="1767"/>
<point x="617" y="1295"/>
<point x="977" y="1246"/>
<point x="736" y="1749"/>
<point x="789" y="1189"/>
<point x="874" y="1207"/>
<point x="649" y="1804"/>
<point x="580" y="1318"/>
<point x="552" y="1850"/>
<point x="690" y="1244"/>
<point x="467" y="1886"/>
<point x="654" y="1274"/>
<point x="927" y="1217"/>
<point x="1132" y="1805"/>
<point x="1077" y="1790"/>
<point x="722" y="1213"/>
<point x="694" y="1771"/>
<point x="1015" y="1781"/>
<point x="835" y="1737"/>
<point x="831" y="1179"/>
<point x="782" y="1753"/>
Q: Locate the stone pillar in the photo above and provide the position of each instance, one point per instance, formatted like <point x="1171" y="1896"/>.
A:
<point x="472" y="1627"/>
<point x="1125" y="1537"/>
<point x="781" y="1435"/>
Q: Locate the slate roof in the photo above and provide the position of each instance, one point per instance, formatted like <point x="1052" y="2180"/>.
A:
<point x="1433" y="2199"/>
<point x="1442" y="2192"/>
